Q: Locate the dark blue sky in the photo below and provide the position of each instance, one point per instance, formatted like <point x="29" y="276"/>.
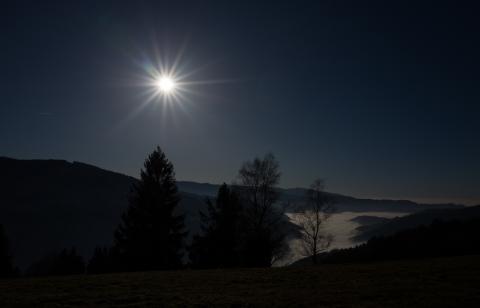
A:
<point x="380" y="100"/>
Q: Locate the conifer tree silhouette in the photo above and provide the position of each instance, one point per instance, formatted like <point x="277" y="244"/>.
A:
<point x="218" y="246"/>
<point x="151" y="234"/>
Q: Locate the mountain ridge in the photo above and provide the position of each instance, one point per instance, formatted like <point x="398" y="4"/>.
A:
<point x="210" y="189"/>
<point x="51" y="204"/>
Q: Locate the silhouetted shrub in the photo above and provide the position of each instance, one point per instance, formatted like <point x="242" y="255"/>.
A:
<point x="101" y="261"/>
<point x="6" y="264"/>
<point x="67" y="262"/>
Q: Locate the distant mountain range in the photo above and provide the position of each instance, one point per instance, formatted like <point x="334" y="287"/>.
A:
<point x="376" y="226"/>
<point x="296" y="196"/>
<point x="47" y="205"/>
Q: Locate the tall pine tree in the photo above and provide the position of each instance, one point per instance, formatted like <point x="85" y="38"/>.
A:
<point x="151" y="235"/>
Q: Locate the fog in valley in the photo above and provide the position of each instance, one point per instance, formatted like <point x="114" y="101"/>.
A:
<point x="341" y="226"/>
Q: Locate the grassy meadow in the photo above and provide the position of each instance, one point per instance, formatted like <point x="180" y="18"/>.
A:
<point x="442" y="282"/>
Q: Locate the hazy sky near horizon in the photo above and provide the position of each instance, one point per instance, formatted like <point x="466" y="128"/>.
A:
<point x="379" y="99"/>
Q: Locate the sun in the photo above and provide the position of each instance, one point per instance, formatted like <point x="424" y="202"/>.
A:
<point x="165" y="84"/>
<point x="167" y="81"/>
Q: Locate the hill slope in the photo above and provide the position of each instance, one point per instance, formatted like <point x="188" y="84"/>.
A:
<point x="47" y="205"/>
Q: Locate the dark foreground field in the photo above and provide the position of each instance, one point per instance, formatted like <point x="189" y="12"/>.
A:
<point x="447" y="282"/>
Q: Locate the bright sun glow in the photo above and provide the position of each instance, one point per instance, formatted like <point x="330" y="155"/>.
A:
<point x="166" y="84"/>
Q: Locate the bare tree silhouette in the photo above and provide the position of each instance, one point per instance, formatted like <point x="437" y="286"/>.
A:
<point x="311" y="218"/>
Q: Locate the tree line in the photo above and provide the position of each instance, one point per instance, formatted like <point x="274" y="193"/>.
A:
<point x="439" y="239"/>
<point x="244" y="226"/>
